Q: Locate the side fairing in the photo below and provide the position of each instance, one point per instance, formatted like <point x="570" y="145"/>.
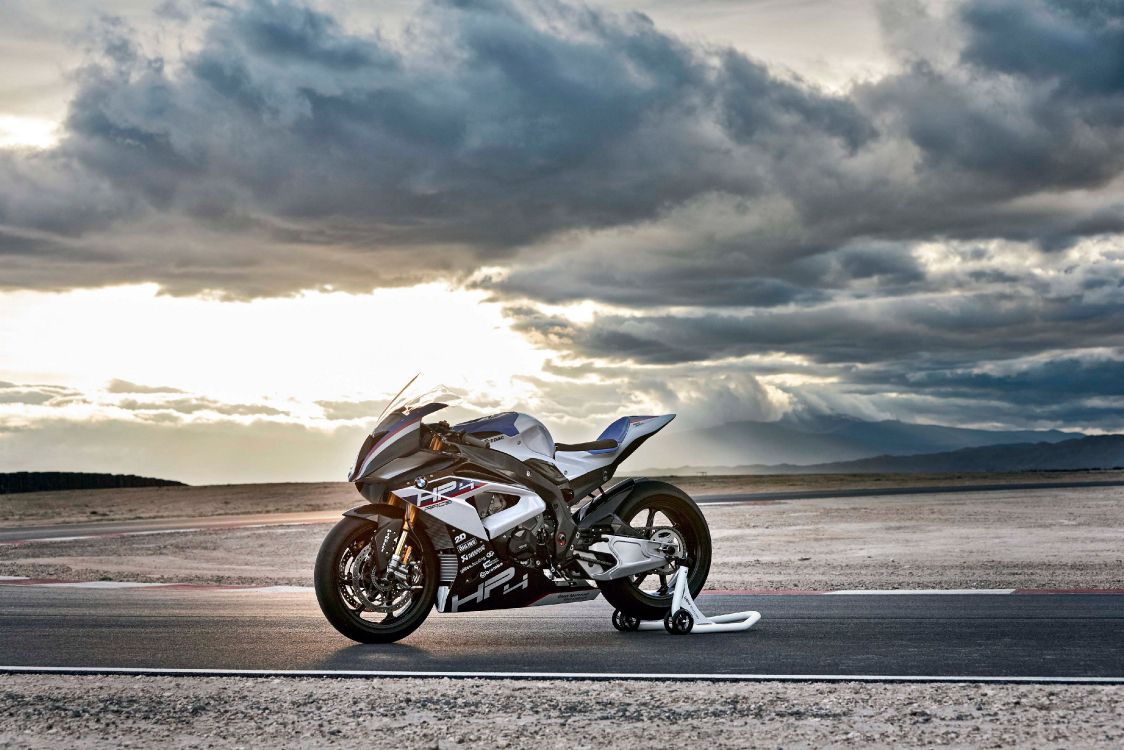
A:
<point x="450" y="500"/>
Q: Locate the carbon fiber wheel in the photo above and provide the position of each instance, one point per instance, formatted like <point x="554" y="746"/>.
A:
<point x="363" y="605"/>
<point x="672" y="519"/>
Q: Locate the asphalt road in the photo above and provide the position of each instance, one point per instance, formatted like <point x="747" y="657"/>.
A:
<point x="1071" y="635"/>
<point x="24" y="533"/>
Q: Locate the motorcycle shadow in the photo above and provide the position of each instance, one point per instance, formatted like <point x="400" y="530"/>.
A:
<point x="374" y="656"/>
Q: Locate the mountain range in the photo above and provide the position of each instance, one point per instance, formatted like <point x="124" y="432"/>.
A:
<point x="1094" y="452"/>
<point x="804" y="440"/>
<point x="53" y="481"/>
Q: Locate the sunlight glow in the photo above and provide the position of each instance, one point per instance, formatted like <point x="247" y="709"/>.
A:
<point x="27" y="132"/>
<point x="312" y="346"/>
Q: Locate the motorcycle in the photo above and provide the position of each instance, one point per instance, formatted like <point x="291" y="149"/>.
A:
<point x="492" y="513"/>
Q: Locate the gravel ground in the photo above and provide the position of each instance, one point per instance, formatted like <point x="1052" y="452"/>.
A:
<point x="48" y="711"/>
<point x="232" y="499"/>
<point x="77" y="506"/>
<point x="1017" y="539"/>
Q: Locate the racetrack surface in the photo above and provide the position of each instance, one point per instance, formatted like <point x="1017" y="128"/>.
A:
<point x="949" y="636"/>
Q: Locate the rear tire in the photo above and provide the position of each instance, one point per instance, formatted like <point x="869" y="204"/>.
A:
<point x="625" y="593"/>
<point x="333" y="589"/>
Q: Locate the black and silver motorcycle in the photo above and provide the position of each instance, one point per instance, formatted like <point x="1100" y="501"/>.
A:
<point x="492" y="514"/>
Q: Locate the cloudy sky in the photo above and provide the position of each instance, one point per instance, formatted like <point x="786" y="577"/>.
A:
<point x="228" y="230"/>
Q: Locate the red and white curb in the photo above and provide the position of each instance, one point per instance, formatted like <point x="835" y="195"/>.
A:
<point x="60" y="583"/>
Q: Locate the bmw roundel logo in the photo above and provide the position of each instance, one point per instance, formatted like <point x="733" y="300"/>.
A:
<point x="419" y="482"/>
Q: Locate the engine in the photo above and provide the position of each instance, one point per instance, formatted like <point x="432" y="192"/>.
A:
<point x="528" y="543"/>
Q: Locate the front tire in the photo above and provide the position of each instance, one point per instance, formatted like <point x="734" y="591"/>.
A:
<point x="657" y="511"/>
<point x="345" y="591"/>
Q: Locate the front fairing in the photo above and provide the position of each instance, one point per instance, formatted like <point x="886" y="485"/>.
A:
<point x="397" y="435"/>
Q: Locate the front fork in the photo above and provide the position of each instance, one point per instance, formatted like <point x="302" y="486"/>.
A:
<point x="398" y="565"/>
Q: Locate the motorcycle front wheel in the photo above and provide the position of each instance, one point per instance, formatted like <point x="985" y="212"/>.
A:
<point x="360" y="603"/>
<point x="669" y="518"/>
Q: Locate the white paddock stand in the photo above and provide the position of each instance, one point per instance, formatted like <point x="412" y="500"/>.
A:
<point x="685" y="616"/>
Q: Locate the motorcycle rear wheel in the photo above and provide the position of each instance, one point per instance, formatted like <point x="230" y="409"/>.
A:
<point x="628" y="594"/>
<point x="341" y="603"/>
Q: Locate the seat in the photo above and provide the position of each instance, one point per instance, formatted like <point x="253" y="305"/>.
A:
<point x="607" y="442"/>
<point x="593" y="446"/>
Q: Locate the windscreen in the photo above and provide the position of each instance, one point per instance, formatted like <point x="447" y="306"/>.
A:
<point x="417" y="392"/>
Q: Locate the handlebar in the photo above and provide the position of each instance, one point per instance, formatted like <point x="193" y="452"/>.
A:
<point x="443" y="429"/>
<point x="475" y="442"/>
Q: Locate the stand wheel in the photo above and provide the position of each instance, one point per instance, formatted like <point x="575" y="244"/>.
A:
<point x="625" y="623"/>
<point x="679" y="623"/>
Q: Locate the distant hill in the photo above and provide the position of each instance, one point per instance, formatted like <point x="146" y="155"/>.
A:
<point x="804" y="439"/>
<point x="52" y="481"/>
<point x="1095" y="452"/>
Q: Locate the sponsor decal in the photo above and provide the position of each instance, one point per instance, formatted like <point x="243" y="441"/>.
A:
<point x="477" y="562"/>
<point x="472" y="554"/>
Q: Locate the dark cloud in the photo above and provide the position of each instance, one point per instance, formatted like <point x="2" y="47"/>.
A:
<point x="1042" y="383"/>
<point x="965" y="209"/>
<point x="491" y="126"/>
<point x="945" y="329"/>
<point x="1078" y="44"/>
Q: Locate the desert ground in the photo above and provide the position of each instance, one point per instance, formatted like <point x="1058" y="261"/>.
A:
<point x="1010" y="539"/>
<point x="234" y="499"/>
<point x="1063" y="538"/>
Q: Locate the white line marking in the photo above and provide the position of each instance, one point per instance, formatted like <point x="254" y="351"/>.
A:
<point x="174" y="672"/>
<point x="921" y="592"/>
